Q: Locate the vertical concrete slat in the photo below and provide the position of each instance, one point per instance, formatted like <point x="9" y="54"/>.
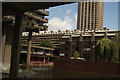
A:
<point x="87" y="3"/>
<point x="90" y="15"/>
<point x="83" y="28"/>
<point x="79" y="16"/>
<point x="80" y="7"/>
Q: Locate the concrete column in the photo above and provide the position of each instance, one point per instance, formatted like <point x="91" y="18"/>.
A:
<point x="44" y="61"/>
<point x="70" y="47"/>
<point x="81" y="46"/>
<point x="105" y="34"/>
<point x="4" y="32"/>
<point x="43" y="50"/>
<point x="92" y="47"/>
<point x="15" y="51"/>
<point x="29" y="49"/>
<point x="7" y="48"/>
<point x="51" y="51"/>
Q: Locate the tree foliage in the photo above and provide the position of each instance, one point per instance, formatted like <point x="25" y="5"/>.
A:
<point x="108" y="49"/>
<point x="116" y="47"/>
<point x="47" y="43"/>
<point x="76" y="54"/>
<point x="104" y="48"/>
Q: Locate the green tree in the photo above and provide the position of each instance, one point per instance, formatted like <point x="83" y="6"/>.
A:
<point x="108" y="50"/>
<point x="76" y="54"/>
<point x="116" y="48"/>
<point x="47" y="43"/>
<point x="104" y="49"/>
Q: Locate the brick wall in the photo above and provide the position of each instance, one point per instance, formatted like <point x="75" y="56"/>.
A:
<point x="88" y="66"/>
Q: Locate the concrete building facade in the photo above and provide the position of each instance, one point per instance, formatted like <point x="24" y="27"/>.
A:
<point x="67" y="42"/>
<point x="18" y="9"/>
<point x="28" y="25"/>
<point x="84" y="43"/>
<point x="90" y="14"/>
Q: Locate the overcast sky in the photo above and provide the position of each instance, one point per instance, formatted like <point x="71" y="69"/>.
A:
<point x="64" y="17"/>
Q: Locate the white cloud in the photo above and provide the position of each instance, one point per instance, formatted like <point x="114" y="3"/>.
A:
<point x="58" y="24"/>
<point x="68" y="11"/>
<point x="75" y="16"/>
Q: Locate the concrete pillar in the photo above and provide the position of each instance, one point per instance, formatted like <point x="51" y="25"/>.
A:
<point x="48" y="59"/>
<point x="44" y="61"/>
<point x="105" y="34"/>
<point x="15" y="51"/>
<point x="4" y="32"/>
<point x="81" y="46"/>
<point x="29" y="49"/>
<point x="43" y="50"/>
<point x="51" y="52"/>
<point x="7" y="50"/>
<point x="92" y="47"/>
<point x="69" y="48"/>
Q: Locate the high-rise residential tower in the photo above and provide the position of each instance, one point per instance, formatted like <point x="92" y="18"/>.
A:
<point x="90" y="14"/>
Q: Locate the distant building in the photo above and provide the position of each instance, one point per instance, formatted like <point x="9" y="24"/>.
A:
<point x="67" y="42"/>
<point x="38" y="55"/>
<point x="90" y="14"/>
<point x="32" y="21"/>
<point x="83" y="43"/>
<point x="38" y="38"/>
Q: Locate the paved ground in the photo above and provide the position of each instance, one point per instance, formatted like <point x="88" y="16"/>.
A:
<point x="54" y="73"/>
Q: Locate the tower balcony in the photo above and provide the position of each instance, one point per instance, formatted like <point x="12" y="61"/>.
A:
<point x="34" y="28"/>
<point x="42" y="12"/>
<point x="37" y="17"/>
